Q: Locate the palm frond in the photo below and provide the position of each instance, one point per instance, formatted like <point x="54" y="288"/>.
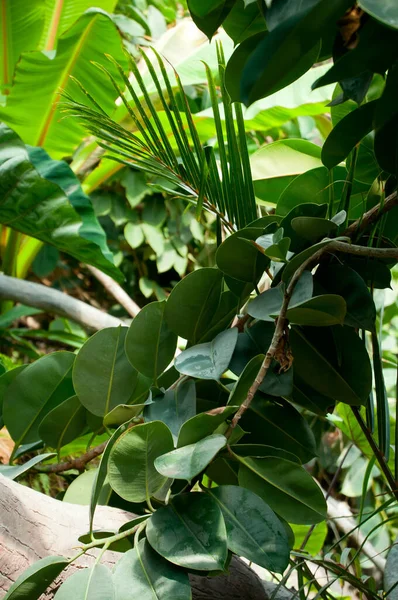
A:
<point x="167" y="144"/>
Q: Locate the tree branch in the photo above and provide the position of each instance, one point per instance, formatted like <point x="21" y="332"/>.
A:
<point x="116" y="291"/>
<point x="372" y="216"/>
<point x="76" y="463"/>
<point x="55" y="302"/>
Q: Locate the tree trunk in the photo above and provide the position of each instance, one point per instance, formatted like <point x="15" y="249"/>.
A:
<point x="33" y="526"/>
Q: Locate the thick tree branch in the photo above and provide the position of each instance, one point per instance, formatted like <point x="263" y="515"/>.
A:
<point x="372" y="216"/>
<point x="55" y="302"/>
<point x="76" y="463"/>
<point x="116" y="291"/>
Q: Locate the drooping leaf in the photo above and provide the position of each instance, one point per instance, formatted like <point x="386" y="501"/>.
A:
<point x="63" y="423"/>
<point x="12" y="472"/>
<point x="203" y="424"/>
<point x="35" y="580"/>
<point x="190" y="532"/>
<point x="189" y="461"/>
<point x="34" y="392"/>
<point x="102" y="376"/>
<point x="209" y="360"/>
<point x="286" y="486"/>
<point x="143" y="573"/>
<point x="177" y="406"/>
<point x="253" y="530"/>
<point x="193" y="302"/>
<point x="88" y="584"/>
<point x="131" y="469"/>
<point x="150" y="343"/>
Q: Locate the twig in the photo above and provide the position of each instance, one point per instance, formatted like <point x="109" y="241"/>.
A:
<point x="116" y="291"/>
<point x="372" y="216"/>
<point x="55" y="302"/>
<point x="76" y="463"/>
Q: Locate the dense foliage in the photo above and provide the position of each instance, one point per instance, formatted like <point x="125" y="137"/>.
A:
<point x="267" y="233"/>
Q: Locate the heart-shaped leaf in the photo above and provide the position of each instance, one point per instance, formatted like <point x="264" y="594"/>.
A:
<point x="209" y="360"/>
<point x="190" y="532"/>
<point x="189" y="461"/>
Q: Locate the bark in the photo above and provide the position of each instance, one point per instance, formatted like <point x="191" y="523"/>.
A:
<point x="33" y="526"/>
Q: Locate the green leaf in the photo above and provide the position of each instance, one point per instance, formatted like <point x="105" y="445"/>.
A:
<point x="34" y="392"/>
<point x="81" y="489"/>
<point x="63" y="424"/>
<point x="131" y="469"/>
<point x="35" y="111"/>
<point x="240" y="260"/>
<point x="193" y="302"/>
<point x="189" y="461"/>
<point x="347" y="134"/>
<point x="35" y="579"/>
<point x="313" y="229"/>
<point x="209" y="360"/>
<point x="150" y="344"/>
<point x="123" y="413"/>
<point x="177" y="406"/>
<point x="16" y="312"/>
<point x="320" y="311"/>
<point x="386" y="11"/>
<point x="245" y="381"/>
<point x="208" y="15"/>
<point x="5" y="381"/>
<point x="316" y="540"/>
<point x="12" y="472"/>
<point x="203" y="424"/>
<point x="102" y="375"/>
<point x="342" y="372"/>
<point x="134" y="235"/>
<point x="341" y="279"/>
<point x="270" y="302"/>
<point x="275" y="165"/>
<point x="300" y="258"/>
<point x="253" y="530"/>
<point x="244" y="21"/>
<point x="190" y="532"/>
<point x="39" y="207"/>
<point x="88" y="584"/>
<point x="143" y="573"/>
<point x="286" y="486"/>
<point x="260" y="451"/>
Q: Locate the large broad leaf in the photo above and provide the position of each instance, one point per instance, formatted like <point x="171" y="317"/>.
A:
<point x="102" y="375"/>
<point x="193" y="302"/>
<point x="63" y="424"/>
<point x="35" y="391"/>
<point x="35" y="111"/>
<point x="239" y="259"/>
<point x="253" y="530"/>
<point x="131" y="469"/>
<point x="35" y="580"/>
<point x="5" y="381"/>
<point x="189" y="461"/>
<point x="81" y="489"/>
<point x="244" y="20"/>
<point x="295" y="34"/>
<point x="190" y="532"/>
<point x="177" y="406"/>
<point x="334" y="363"/>
<point x="275" y="165"/>
<point x="286" y="486"/>
<point x="21" y="25"/>
<point x="88" y="584"/>
<point x="46" y="207"/>
<point x="12" y="472"/>
<point x="143" y="574"/>
<point x="203" y="424"/>
<point x="209" y="14"/>
<point x="270" y="302"/>
<point x="58" y="17"/>
<point x="320" y="311"/>
<point x="386" y="11"/>
<point x="209" y="360"/>
<point x="150" y="343"/>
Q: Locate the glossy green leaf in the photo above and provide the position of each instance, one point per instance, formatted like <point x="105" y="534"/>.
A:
<point x="286" y="486"/>
<point x="131" y="469"/>
<point x="35" y="580"/>
<point x="190" y="532"/>
<point x="209" y="15"/>
<point x="253" y="530"/>
<point x="315" y="542"/>
<point x="239" y="259"/>
<point x="5" y="381"/>
<point x="150" y="343"/>
<point x="260" y="451"/>
<point x="244" y="20"/>
<point x="386" y="11"/>
<point x="123" y="413"/>
<point x="306" y="210"/>
<point x="344" y="375"/>
<point x="245" y="381"/>
<point x="80" y="491"/>
<point x="12" y="472"/>
<point x="49" y="207"/>
<point x="102" y="375"/>
<point x="300" y="258"/>
<point x="177" y="406"/>
<point x="341" y="279"/>
<point x="35" y="111"/>
<point x="270" y="302"/>
<point x="189" y="461"/>
<point x="193" y="302"/>
<point x="320" y="311"/>
<point x="347" y="134"/>
<point x="34" y="392"/>
<point x="143" y="573"/>
<point x="203" y="424"/>
<point x="274" y="245"/>
<point x="209" y="360"/>
<point x="88" y="584"/>
<point x="313" y="229"/>
<point x="63" y="423"/>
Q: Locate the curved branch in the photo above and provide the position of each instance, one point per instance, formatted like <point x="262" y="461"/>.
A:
<point x="55" y="302"/>
<point x="372" y="216"/>
<point x="116" y="291"/>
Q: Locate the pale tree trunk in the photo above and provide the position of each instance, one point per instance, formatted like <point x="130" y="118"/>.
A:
<point x="33" y="526"/>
